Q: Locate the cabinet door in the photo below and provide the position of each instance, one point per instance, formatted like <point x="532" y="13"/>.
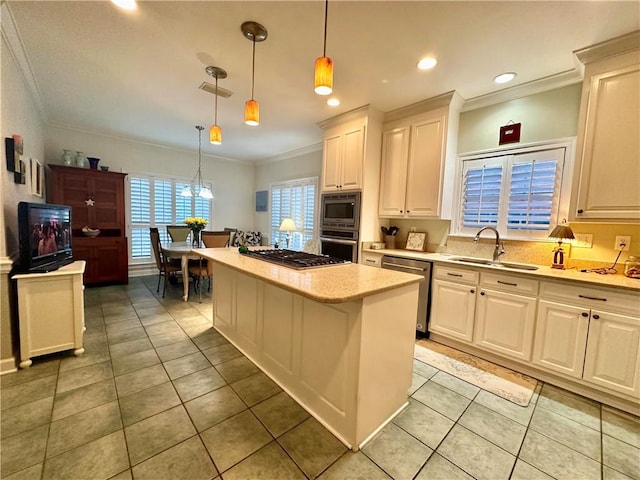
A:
<point x="425" y="168"/>
<point x="613" y="352"/>
<point x="505" y="323"/>
<point x="352" y="158"/>
<point x="609" y="189"/>
<point x="331" y="162"/>
<point x="393" y="175"/>
<point x="108" y="196"/>
<point x="561" y="337"/>
<point x="73" y="190"/>
<point x="452" y="309"/>
<point x="86" y="253"/>
<point x="108" y="261"/>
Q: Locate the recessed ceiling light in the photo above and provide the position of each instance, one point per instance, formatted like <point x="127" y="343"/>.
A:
<point x="333" y="102"/>
<point x="125" y="4"/>
<point x="427" y="63"/>
<point x="505" y="77"/>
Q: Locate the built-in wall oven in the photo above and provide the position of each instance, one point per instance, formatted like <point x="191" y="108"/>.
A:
<point x="339" y="224"/>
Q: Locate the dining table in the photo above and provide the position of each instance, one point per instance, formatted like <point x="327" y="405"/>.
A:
<point x="185" y="251"/>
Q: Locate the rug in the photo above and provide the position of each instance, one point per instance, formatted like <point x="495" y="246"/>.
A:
<point x="505" y="383"/>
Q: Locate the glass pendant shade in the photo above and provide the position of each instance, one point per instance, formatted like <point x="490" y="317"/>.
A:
<point x="186" y="191"/>
<point x="252" y="113"/>
<point x="205" y="192"/>
<point x="215" y="135"/>
<point x="324" y="76"/>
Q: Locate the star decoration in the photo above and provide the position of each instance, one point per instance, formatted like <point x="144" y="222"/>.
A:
<point x="90" y="203"/>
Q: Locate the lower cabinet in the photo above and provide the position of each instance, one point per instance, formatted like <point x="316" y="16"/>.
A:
<point x="106" y="259"/>
<point x="453" y="304"/>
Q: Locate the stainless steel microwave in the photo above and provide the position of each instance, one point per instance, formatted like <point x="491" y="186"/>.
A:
<point x="341" y="211"/>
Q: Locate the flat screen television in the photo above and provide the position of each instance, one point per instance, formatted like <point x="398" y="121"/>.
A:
<point x="44" y="234"/>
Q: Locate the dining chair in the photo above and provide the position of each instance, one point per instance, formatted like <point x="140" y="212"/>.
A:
<point x="215" y="239"/>
<point x="178" y="233"/>
<point x="203" y="268"/>
<point x="166" y="266"/>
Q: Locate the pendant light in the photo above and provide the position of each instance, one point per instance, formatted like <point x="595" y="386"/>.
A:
<point x="215" y="132"/>
<point x="203" y="190"/>
<point x="323" y="74"/>
<point x="256" y="33"/>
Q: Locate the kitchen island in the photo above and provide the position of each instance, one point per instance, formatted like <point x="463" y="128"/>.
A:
<point x="338" y="339"/>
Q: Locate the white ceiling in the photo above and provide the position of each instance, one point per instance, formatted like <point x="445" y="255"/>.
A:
<point x="136" y="74"/>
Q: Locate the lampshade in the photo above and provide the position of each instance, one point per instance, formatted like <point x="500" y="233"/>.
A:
<point x="215" y="135"/>
<point x="562" y="231"/>
<point x="324" y="76"/>
<point x="287" y="225"/>
<point x="252" y="113"/>
<point x="186" y="191"/>
<point x="205" y="192"/>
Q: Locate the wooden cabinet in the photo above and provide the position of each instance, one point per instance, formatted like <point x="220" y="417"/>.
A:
<point x="418" y="162"/>
<point x="97" y="201"/>
<point x="51" y="312"/>
<point x="575" y="336"/>
<point x="343" y="157"/>
<point x="453" y="303"/>
<point x="608" y="151"/>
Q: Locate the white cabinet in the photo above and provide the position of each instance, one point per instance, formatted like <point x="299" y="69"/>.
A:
<point x="371" y="259"/>
<point x="343" y="157"/>
<point x="51" y="312"/>
<point x="453" y="302"/>
<point x="576" y="336"/>
<point x="608" y="155"/>
<point x="418" y="160"/>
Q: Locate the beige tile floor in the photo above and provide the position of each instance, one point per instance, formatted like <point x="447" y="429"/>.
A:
<point x="160" y="395"/>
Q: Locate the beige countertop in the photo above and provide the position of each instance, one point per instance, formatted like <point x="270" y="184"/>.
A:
<point x="331" y="284"/>
<point x="543" y="273"/>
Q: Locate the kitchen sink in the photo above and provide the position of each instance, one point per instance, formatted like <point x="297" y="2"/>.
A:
<point x="490" y="263"/>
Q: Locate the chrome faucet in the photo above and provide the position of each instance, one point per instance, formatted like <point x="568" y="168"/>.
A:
<point x="499" y="250"/>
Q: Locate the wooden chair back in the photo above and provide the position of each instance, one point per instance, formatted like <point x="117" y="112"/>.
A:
<point x="157" y="248"/>
<point x="215" y="239"/>
<point x="178" y="233"/>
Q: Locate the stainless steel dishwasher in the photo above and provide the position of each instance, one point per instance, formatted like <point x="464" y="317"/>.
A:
<point x="417" y="267"/>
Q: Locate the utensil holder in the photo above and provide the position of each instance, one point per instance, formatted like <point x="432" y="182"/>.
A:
<point x="389" y="242"/>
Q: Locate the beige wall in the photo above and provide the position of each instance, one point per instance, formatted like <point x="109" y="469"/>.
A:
<point x="302" y="166"/>
<point x="544" y="116"/>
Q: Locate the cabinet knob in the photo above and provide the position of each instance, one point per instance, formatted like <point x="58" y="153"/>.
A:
<point x="580" y="211"/>
<point x="401" y="211"/>
<point x="473" y="291"/>
<point x="408" y="211"/>
<point x="595" y="317"/>
<point x="584" y="314"/>
<point x="481" y="293"/>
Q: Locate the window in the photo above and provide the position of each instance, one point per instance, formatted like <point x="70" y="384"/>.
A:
<point x="156" y="202"/>
<point x="518" y="193"/>
<point x="295" y="199"/>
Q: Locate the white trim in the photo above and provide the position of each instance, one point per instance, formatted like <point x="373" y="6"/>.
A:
<point x="316" y="147"/>
<point x="8" y="365"/>
<point x="382" y="425"/>
<point x="6" y="264"/>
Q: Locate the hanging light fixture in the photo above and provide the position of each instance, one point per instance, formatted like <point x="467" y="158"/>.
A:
<point x="215" y="132"/>
<point x="324" y="65"/>
<point x="256" y="33"/>
<point x="203" y="190"/>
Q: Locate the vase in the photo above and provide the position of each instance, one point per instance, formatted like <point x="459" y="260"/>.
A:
<point x="67" y="158"/>
<point x="195" y="238"/>
<point x="93" y="163"/>
<point x="81" y="161"/>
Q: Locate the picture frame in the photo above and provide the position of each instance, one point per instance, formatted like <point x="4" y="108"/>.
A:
<point x="262" y="201"/>
<point x="37" y="174"/>
<point x="509" y="133"/>
<point x="416" y="241"/>
<point x="19" y="176"/>
<point x="10" y="153"/>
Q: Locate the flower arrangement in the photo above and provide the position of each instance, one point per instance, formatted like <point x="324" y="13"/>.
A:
<point x="196" y="225"/>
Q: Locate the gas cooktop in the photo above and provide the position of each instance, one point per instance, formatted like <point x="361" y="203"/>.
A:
<point x="293" y="259"/>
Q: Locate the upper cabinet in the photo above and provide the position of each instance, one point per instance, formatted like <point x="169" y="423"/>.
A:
<point x="418" y="159"/>
<point x="343" y="157"/>
<point x="608" y="152"/>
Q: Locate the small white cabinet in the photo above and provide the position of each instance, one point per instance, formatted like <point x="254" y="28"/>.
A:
<point x="343" y="157"/>
<point x="453" y="302"/>
<point x="51" y="311"/>
<point x="418" y="160"/>
<point x="371" y="259"/>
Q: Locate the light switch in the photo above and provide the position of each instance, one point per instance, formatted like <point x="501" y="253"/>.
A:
<point x="582" y="240"/>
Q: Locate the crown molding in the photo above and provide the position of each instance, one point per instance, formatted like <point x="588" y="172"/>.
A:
<point x="11" y="36"/>
<point x="360" y="113"/>
<point x="316" y="147"/>
<point x="450" y="99"/>
<point x="608" y="48"/>
<point x="551" y="82"/>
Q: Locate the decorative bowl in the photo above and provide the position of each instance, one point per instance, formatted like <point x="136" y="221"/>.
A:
<point x="104" y="168"/>
<point x="90" y="232"/>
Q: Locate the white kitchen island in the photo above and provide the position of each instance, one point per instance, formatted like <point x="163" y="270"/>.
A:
<point x="338" y="339"/>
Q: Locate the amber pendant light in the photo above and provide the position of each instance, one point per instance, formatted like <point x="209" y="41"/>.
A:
<point x="323" y="75"/>
<point x="256" y="33"/>
<point x="215" y="132"/>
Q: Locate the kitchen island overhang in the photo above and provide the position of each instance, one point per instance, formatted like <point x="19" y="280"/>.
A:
<point x="339" y="340"/>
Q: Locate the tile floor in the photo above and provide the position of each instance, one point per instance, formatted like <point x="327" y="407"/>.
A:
<point x="160" y="395"/>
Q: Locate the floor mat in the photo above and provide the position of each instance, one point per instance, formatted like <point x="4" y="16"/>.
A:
<point x="513" y="386"/>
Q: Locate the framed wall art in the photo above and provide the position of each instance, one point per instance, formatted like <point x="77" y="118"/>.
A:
<point x="416" y="241"/>
<point x="36" y="177"/>
<point x="10" y="153"/>
<point x="19" y="176"/>
<point x="262" y="201"/>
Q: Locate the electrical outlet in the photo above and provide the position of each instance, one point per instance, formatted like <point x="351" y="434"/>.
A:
<point x="412" y="229"/>
<point x="622" y="239"/>
<point x="582" y="240"/>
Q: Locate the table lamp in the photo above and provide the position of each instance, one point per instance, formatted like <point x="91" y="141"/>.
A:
<point x="561" y="232"/>
<point x="287" y="225"/>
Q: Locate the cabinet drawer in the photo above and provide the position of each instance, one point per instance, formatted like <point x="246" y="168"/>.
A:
<point x="455" y="274"/>
<point x="371" y="259"/>
<point x="509" y="283"/>
<point x="589" y="297"/>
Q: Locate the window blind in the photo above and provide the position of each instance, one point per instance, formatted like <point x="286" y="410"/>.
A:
<point x="295" y="199"/>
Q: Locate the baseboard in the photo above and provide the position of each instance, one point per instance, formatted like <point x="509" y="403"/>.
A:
<point x="8" y="365"/>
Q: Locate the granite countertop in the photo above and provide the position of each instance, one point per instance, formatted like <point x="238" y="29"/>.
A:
<point x="544" y="272"/>
<point x="331" y="284"/>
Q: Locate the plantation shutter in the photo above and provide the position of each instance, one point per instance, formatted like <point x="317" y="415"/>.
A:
<point x="296" y="200"/>
<point x="140" y="217"/>
<point x="481" y="193"/>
